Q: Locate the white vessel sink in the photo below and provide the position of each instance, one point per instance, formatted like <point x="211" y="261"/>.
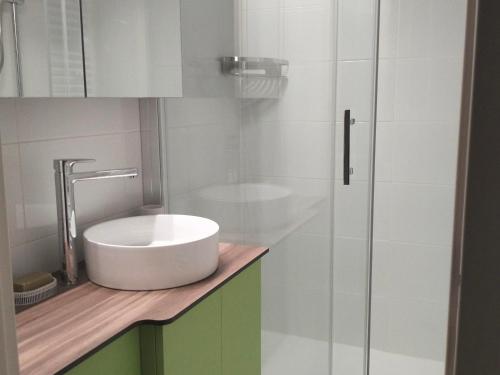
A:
<point x="151" y="252"/>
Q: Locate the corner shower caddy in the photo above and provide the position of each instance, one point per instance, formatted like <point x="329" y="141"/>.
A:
<point x="262" y="67"/>
<point x="256" y="77"/>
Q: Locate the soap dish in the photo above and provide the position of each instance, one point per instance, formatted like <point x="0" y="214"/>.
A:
<point x="36" y="295"/>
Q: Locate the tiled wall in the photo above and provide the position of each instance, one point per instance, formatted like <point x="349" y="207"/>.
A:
<point x="203" y="128"/>
<point x="417" y="134"/>
<point x="34" y="132"/>
<point x="203" y="147"/>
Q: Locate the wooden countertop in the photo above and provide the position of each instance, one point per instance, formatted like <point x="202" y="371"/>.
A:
<point x="55" y="334"/>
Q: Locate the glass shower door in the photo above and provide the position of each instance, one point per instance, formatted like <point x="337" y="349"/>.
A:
<point x="268" y="163"/>
<point x="306" y="169"/>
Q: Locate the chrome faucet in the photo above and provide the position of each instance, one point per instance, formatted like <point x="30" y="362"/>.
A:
<point x="66" y="218"/>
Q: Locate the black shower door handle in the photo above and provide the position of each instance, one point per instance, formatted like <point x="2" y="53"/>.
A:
<point x="347" y="146"/>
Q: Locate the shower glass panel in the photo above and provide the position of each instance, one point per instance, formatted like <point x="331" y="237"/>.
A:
<point x="265" y="158"/>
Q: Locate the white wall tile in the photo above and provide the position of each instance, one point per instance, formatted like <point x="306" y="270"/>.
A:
<point x="388" y="35"/>
<point x="41" y="255"/>
<point x="200" y="111"/>
<point x="383" y="151"/>
<point x="422" y="214"/>
<point x="411" y="271"/>
<point x="418" y="327"/>
<point x="386" y="90"/>
<point x="8" y="124"/>
<point x="382" y="216"/>
<point x="263" y="33"/>
<point x="307" y="34"/>
<point x="178" y="159"/>
<point x="425" y="153"/>
<point x="107" y="130"/>
<point x="351" y="209"/>
<point x="350" y="265"/>
<point x="260" y="4"/>
<point x="305" y="3"/>
<point x="210" y="155"/>
<point x="14" y="194"/>
<point x="413" y="93"/>
<point x="313" y="194"/>
<point x="304" y="262"/>
<point x="290" y="149"/>
<point x="380" y="315"/>
<point x="415" y="32"/>
<point x="447" y="25"/>
<point x="93" y="199"/>
<point x="354" y="89"/>
<point x="20" y="260"/>
<point x="308" y="94"/>
<point x="356" y="35"/>
<point x="445" y="89"/>
<point x="349" y="318"/>
<point x="42" y="119"/>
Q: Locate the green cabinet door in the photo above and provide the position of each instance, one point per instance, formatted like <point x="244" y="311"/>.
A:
<point x="122" y="356"/>
<point x="241" y="336"/>
<point x="192" y="344"/>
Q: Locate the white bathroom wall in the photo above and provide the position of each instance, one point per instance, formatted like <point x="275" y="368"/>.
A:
<point x="203" y="148"/>
<point x="34" y="132"/>
<point x="203" y="128"/>
<point x="420" y="76"/>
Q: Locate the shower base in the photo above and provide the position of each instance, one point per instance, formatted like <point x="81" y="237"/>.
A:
<point x="295" y="355"/>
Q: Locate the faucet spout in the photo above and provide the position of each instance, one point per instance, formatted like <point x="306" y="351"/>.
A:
<point x="65" y="181"/>
<point x="99" y="175"/>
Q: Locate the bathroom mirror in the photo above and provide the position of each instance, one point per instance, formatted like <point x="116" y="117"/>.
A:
<point x="132" y="48"/>
<point x="41" y="48"/>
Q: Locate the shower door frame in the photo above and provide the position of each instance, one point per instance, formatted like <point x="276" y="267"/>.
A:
<point x="372" y="153"/>
<point x="461" y="186"/>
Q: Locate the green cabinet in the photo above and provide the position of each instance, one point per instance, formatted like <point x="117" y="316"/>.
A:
<point x="192" y="344"/>
<point x="218" y="336"/>
<point x="122" y="356"/>
<point x="241" y="324"/>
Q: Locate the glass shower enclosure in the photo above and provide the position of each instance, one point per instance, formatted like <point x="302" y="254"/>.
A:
<point x="314" y="127"/>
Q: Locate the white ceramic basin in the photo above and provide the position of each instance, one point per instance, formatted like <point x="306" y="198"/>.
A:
<point x="151" y="252"/>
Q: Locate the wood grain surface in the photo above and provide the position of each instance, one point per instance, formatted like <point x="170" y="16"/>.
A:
<point x="60" y="331"/>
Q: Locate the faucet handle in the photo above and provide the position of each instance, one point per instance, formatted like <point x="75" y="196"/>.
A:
<point x="68" y="164"/>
